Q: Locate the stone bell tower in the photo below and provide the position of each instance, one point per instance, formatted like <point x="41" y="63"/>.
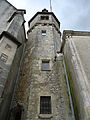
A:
<point x="42" y="90"/>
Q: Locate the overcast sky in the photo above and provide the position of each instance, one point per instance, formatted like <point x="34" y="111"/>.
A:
<point x="72" y="14"/>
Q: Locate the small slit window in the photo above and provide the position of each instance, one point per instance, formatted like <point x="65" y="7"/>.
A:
<point x="45" y="105"/>
<point x="1" y="70"/>
<point x="45" y="65"/>
<point x="44" y="17"/>
<point x="3" y="57"/>
<point x="43" y="32"/>
<point x="8" y="47"/>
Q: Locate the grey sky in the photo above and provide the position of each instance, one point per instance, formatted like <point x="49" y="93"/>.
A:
<point x="73" y="14"/>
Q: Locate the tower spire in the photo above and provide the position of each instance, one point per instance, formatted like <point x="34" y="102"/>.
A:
<point x="50" y="5"/>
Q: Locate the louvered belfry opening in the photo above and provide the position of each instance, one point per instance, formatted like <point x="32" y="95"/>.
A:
<point x="45" y="105"/>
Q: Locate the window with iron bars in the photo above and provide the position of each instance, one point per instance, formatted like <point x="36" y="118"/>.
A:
<point x="45" y="105"/>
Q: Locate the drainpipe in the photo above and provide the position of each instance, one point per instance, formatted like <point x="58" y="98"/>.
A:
<point x="69" y="93"/>
<point x="67" y="81"/>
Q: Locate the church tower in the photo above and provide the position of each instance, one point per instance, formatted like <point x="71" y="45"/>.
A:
<point x="42" y="90"/>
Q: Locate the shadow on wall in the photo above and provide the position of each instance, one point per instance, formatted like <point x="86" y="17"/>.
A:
<point x="16" y="112"/>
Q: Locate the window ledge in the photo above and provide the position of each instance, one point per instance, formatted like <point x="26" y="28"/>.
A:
<point x="45" y="116"/>
<point x="45" y="70"/>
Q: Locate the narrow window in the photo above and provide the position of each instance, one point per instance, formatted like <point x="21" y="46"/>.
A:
<point x="3" y="57"/>
<point x="1" y="70"/>
<point x="45" y="65"/>
<point x="45" y="105"/>
<point x="44" y="17"/>
<point x="43" y="32"/>
<point x="8" y="47"/>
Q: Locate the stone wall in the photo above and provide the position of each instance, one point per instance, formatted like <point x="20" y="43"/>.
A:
<point x="6" y="11"/>
<point x="37" y="19"/>
<point x="34" y="82"/>
<point x="76" y="59"/>
<point x="8" y="48"/>
<point x="12" y="39"/>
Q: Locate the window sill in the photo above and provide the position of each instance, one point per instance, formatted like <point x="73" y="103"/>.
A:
<point x="45" y="116"/>
<point x="45" y="70"/>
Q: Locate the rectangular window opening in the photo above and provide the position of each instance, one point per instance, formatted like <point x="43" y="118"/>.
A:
<point x="45" y="105"/>
<point x="44" y="17"/>
<point x="3" y="57"/>
<point x="43" y="32"/>
<point x="45" y="65"/>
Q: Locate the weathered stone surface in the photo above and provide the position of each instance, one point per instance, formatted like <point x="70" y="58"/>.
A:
<point x="12" y="35"/>
<point x="77" y="62"/>
<point x="35" y="83"/>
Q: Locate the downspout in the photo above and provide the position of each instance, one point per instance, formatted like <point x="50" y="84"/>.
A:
<point x="69" y="93"/>
<point x="66" y="75"/>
